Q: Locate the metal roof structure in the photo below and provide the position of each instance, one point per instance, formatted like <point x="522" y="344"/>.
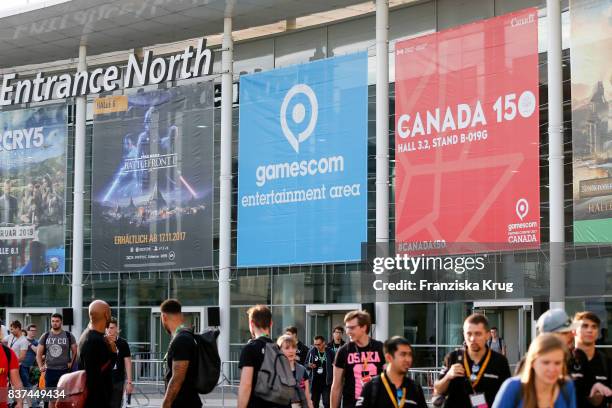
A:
<point x="55" y="32"/>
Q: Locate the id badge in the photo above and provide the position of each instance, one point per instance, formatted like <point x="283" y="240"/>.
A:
<point x="478" y="401"/>
<point x="320" y="370"/>
<point x="296" y="405"/>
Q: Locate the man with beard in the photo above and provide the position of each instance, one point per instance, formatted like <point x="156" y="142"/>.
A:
<point x="472" y="376"/>
<point x="97" y="356"/>
<point x="181" y="359"/>
<point x="56" y="353"/>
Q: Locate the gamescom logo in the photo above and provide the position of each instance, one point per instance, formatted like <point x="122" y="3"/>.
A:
<point x="522" y="208"/>
<point x="298" y="114"/>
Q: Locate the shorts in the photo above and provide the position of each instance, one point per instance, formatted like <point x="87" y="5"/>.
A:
<point x="52" y="377"/>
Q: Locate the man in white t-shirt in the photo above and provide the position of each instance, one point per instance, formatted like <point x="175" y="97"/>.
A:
<point x="19" y="343"/>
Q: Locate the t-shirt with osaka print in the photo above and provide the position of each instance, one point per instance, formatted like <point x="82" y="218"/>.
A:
<point x="360" y="365"/>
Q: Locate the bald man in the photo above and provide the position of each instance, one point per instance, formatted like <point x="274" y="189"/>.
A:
<point x="97" y="356"/>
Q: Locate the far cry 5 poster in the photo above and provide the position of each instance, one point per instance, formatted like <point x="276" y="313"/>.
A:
<point x="33" y="184"/>
<point x="153" y="180"/>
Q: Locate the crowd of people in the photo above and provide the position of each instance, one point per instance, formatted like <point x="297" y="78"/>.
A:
<point x="562" y="368"/>
<point x="41" y="202"/>
<point x="30" y="361"/>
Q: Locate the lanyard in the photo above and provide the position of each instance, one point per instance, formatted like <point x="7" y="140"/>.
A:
<point x="480" y="372"/>
<point x="397" y="403"/>
<point x="181" y="327"/>
<point x="322" y="357"/>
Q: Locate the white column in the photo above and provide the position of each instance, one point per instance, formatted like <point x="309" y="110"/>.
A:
<point x="78" y="206"/>
<point x="555" y="156"/>
<point x="382" y="152"/>
<point x="225" y="181"/>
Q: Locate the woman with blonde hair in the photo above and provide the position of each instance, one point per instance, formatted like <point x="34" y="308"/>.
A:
<point x="543" y="383"/>
<point x="301" y="399"/>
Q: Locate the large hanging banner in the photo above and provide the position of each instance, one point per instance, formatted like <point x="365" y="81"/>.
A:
<point x="591" y="56"/>
<point x="153" y="180"/>
<point x="302" y="173"/>
<point x="467" y="137"/>
<point x="33" y="182"/>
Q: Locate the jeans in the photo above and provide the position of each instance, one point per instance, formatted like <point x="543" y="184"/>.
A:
<point x="24" y="373"/>
<point x="320" y="391"/>
<point x="117" y="394"/>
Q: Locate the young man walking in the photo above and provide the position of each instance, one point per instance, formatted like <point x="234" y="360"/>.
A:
<point x="97" y="356"/>
<point x="19" y="344"/>
<point x="599" y="365"/>
<point x="357" y="362"/>
<point x="495" y="342"/>
<point x="181" y="359"/>
<point x="319" y="361"/>
<point x="472" y="376"/>
<point x="56" y="353"/>
<point x="302" y="349"/>
<point x="252" y="357"/>
<point x="122" y="369"/>
<point x="336" y="341"/>
<point x="393" y="388"/>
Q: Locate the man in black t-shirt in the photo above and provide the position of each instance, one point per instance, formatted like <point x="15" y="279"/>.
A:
<point x="122" y="367"/>
<point x="393" y="385"/>
<point x="182" y="368"/>
<point x="302" y="349"/>
<point x="319" y="361"/>
<point x="252" y="356"/>
<point x="598" y="364"/>
<point x="97" y="355"/>
<point x="472" y="375"/>
<point x="357" y="362"/>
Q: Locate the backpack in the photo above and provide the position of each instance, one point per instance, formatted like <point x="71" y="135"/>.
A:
<point x="275" y="380"/>
<point x="208" y="361"/>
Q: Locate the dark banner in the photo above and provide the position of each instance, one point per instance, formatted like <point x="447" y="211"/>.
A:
<point x="33" y="182"/>
<point x="153" y="180"/>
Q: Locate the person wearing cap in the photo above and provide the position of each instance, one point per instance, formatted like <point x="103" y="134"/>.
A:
<point x="472" y="375"/>
<point x="588" y="324"/>
<point x="557" y="322"/>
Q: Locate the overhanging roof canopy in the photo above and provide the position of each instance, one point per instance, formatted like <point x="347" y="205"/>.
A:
<point x="55" y="32"/>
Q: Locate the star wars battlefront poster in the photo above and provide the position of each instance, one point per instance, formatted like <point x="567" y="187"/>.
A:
<point x="153" y="180"/>
<point x="33" y="184"/>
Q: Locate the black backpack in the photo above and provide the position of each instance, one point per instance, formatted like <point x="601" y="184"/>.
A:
<point x="208" y="361"/>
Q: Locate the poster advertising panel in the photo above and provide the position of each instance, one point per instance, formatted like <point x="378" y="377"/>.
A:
<point x="153" y="180"/>
<point x="591" y="38"/>
<point x="302" y="173"/>
<point x="467" y="136"/>
<point x="33" y="181"/>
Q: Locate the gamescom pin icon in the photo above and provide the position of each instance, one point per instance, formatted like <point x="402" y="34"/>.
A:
<point x="298" y="115"/>
<point x="522" y="208"/>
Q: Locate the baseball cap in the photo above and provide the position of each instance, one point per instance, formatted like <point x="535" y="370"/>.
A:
<point x="555" y="321"/>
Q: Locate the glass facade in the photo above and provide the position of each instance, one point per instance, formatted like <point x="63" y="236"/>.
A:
<point x="433" y="327"/>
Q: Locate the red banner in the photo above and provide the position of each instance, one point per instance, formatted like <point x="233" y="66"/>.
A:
<point x="467" y="136"/>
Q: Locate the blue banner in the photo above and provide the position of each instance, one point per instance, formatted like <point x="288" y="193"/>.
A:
<point x="33" y="182"/>
<point x="302" y="174"/>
